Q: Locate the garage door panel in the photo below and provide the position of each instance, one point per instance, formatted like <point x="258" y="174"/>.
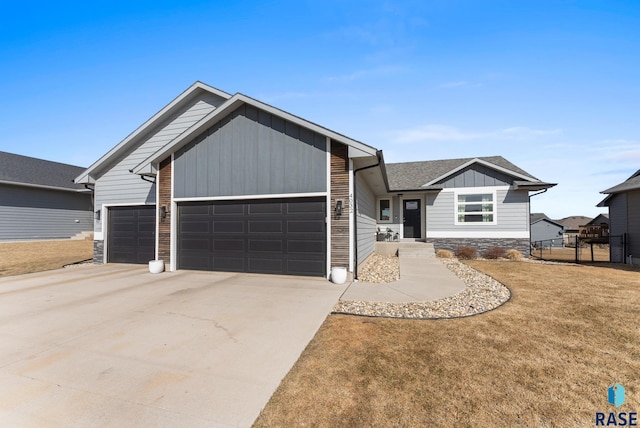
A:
<point x="229" y="264"/>
<point x="266" y="208"/>
<point x="195" y="227"/>
<point x="305" y="226"/>
<point x="229" y="245"/>
<point x="194" y="260"/>
<point x="198" y="244"/>
<point x="263" y="226"/>
<point x="261" y="245"/>
<point x="226" y="226"/>
<point x="260" y="236"/>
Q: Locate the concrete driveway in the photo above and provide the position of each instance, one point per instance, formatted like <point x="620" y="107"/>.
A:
<point x="117" y="346"/>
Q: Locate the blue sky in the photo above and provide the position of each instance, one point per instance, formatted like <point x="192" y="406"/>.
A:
<point x="553" y="86"/>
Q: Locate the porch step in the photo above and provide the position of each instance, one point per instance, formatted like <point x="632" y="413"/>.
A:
<point x="416" y="249"/>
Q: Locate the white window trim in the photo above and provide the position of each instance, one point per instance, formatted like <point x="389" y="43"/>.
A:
<point x="390" y="199"/>
<point x="475" y="191"/>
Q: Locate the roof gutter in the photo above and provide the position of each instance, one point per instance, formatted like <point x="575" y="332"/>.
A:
<point x="355" y="204"/>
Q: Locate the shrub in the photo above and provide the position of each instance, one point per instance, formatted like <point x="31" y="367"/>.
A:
<point x="466" y="253"/>
<point x="514" y="255"/>
<point x="494" y="253"/>
<point x="444" y="254"/>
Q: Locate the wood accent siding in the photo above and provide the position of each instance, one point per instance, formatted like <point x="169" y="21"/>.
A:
<point x="339" y="191"/>
<point x="164" y="199"/>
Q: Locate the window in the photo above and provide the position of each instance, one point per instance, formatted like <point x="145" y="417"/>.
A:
<point x="475" y="208"/>
<point x="384" y="210"/>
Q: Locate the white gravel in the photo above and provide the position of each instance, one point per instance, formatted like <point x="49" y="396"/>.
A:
<point x="483" y="293"/>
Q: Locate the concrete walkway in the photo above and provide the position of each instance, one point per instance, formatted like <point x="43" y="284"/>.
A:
<point x="422" y="278"/>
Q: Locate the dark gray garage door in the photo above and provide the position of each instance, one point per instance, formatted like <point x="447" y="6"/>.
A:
<point x="280" y="236"/>
<point x="131" y="234"/>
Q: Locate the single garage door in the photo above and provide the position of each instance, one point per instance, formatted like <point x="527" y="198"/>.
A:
<point x="278" y="236"/>
<point x="131" y="236"/>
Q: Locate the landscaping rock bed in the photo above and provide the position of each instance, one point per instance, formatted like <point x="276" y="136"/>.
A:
<point x="380" y="269"/>
<point x="482" y="294"/>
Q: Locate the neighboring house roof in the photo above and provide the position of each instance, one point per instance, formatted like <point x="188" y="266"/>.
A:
<point x="424" y="175"/>
<point x="533" y="217"/>
<point x="538" y="217"/>
<point x="631" y="183"/>
<point x="600" y="219"/>
<point x="574" y="222"/>
<point x="32" y="172"/>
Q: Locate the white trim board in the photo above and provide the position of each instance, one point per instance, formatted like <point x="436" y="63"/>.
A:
<point x="489" y="234"/>
<point x="242" y="197"/>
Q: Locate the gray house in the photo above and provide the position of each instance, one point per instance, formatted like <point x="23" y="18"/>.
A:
<point x="38" y="199"/>
<point x="623" y="201"/>
<point x="548" y="231"/>
<point x="225" y="182"/>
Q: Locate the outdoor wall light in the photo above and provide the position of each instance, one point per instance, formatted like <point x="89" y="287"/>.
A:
<point x="163" y="211"/>
<point x="97" y="214"/>
<point x="338" y="209"/>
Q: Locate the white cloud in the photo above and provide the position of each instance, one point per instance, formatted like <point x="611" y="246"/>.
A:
<point x="435" y="132"/>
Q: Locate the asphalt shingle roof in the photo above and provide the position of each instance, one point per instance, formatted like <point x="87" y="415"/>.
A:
<point x="27" y="170"/>
<point x="413" y="175"/>
<point x="631" y="183"/>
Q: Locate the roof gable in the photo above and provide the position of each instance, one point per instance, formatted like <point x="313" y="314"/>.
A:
<point x="138" y="136"/>
<point x="422" y="175"/>
<point x="28" y="171"/>
<point x="149" y="165"/>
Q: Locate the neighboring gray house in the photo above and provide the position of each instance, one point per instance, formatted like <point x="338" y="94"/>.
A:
<point x="548" y="231"/>
<point x="572" y="227"/>
<point x="38" y="199"/>
<point x="623" y="201"/>
<point x="225" y="182"/>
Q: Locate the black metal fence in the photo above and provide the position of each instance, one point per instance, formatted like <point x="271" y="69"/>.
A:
<point x="577" y="249"/>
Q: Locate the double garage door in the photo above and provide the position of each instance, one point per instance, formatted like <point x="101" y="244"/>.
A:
<point x="278" y="236"/>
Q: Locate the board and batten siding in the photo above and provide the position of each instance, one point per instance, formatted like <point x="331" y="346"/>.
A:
<point x="32" y="213"/>
<point x="365" y="219"/>
<point x="512" y="212"/>
<point x="477" y="176"/>
<point x="251" y="152"/>
<point x="119" y="186"/>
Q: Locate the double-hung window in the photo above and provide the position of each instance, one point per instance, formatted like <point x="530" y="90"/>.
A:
<point x="384" y="210"/>
<point x="476" y="208"/>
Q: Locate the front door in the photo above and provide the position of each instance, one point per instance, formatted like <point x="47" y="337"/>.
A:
<point x="411" y="218"/>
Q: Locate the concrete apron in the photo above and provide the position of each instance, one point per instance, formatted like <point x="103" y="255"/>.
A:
<point x="117" y="346"/>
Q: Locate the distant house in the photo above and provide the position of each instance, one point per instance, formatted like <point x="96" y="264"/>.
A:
<point x="597" y="229"/>
<point x="546" y="232"/>
<point x="572" y="227"/>
<point x="623" y="201"/>
<point x="38" y="199"/>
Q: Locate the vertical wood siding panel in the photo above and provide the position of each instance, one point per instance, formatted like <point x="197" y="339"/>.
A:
<point x="339" y="191"/>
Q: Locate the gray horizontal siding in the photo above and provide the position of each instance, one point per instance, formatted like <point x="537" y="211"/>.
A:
<point x="545" y="231"/>
<point x="365" y="219"/>
<point x="251" y="152"/>
<point x="478" y="175"/>
<point x="119" y="186"/>
<point x="31" y="213"/>
<point x="633" y="225"/>
<point x="512" y="212"/>
<point x="618" y="224"/>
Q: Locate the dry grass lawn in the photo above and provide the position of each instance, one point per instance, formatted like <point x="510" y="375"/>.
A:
<point x="17" y="258"/>
<point x="545" y="358"/>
